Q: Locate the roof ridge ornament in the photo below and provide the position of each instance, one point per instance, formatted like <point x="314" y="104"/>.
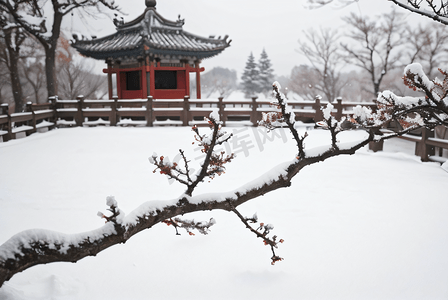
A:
<point x="151" y="3"/>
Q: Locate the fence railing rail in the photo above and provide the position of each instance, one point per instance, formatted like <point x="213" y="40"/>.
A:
<point x="181" y="112"/>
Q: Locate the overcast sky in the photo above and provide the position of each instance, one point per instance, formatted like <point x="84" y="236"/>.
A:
<point x="252" y="25"/>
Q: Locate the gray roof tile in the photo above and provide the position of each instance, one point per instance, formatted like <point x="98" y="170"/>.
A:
<point x="161" y="36"/>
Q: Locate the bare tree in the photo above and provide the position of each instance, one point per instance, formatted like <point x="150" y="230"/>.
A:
<point x="312" y="4"/>
<point x="428" y="45"/>
<point x="221" y="80"/>
<point x="76" y="80"/>
<point x="12" y="37"/>
<point x="34" y="71"/>
<point x="30" y="16"/>
<point x="321" y="50"/>
<point x="34" y="247"/>
<point x="302" y="81"/>
<point x="355" y="89"/>
<point x="4" y="83"/>
<point x="75" y="77"/>
<point x="377" y="45"/>
<point x="32" y="62"/>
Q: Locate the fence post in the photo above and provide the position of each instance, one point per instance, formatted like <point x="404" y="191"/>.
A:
<point x="376" y="146"/>
<point x="79" y="116"/>
<point x="54" y="100"/>
<point x="253" y="115"/>
<point x="149" y="111"/>
<point x="186" y="114"/>
<point x="113" y="113"/>
<point x="339" y="108"/>
<point x="421" y="148"/>
<point x="5" y="111"/>
<point x="54" y="119"/>
<point x="318" y="116"/>
<point x="29" y="108"/>
<point x="221" y="110"/>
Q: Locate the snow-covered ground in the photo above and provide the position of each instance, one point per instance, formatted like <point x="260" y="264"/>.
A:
<point x="367" y="226"/>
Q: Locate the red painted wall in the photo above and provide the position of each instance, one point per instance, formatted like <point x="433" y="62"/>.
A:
<point x="169" y="94"/>
<point x="181" y="80"/>
<point x="183" y="87"/>
<point x="130" y="94"/>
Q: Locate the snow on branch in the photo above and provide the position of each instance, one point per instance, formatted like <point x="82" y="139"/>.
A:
<point x="34" y="247"/>
<point x="190" y="225"/>
<point x="427" y="8"/>
<point x="286" y="115"/>
<point x="436" y="10"/>
<point x="213" y="164"/>
<point x="262" y="232"/>
<point x="428" y="110"/>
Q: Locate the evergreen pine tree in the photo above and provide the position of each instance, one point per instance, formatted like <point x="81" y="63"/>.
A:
<point x="266" y="73"/>
<point x="250" y="77"/>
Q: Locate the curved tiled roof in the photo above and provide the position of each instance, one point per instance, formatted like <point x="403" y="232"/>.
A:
<point x="151" y="34"/>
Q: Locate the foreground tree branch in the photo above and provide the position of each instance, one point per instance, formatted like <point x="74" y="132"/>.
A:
<point x="35" y="247"/>
<point x="436" y="10"/>
<point x="262" y="232"/>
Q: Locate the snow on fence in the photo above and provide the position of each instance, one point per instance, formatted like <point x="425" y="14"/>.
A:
<point x="177" y="112"/>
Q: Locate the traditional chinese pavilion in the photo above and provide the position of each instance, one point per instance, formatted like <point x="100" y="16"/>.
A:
<point x="152" y="56"/>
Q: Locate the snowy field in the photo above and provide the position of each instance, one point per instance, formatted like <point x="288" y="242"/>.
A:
<point x="367" y="226"/>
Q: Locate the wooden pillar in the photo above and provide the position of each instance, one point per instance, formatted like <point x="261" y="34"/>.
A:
<point x="198" y="80"/>
<point x="148" y="77"/>
<point x="118" y="84"/>
<point x="29" y="108"/>
<point x="187" y="81"/>
<point x="339" y="109"/>
<point x="79" y="116"/>
<point x="151" y="73"/>
<point x="5" y="111"/>
<point x="109" y="81"/>
<point x="186" y="114"/>
<point x="113" y="113"/>
<point x="143" y="82"/>
<point x="376" y="146"/>
<point x="221" y="111"/>
<point x="318" y="116"/>
<point x="149" y="120"/>
<point x="421" y="148"/>
<point x="253" y="115"/>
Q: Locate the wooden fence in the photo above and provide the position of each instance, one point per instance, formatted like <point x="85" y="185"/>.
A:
<point x="427" y="147"/>
<point x="180" y="112"/>
<point x="151" y="112"/>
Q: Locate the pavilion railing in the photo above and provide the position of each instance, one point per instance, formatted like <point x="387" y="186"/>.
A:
<point x="178" y="112"/>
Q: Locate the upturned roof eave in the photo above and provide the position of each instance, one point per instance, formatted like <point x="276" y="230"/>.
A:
<point x="166" y="40"/>
<point x="139" y="51"/>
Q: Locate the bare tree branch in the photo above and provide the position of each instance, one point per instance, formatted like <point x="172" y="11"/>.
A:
<point x="377" y="43"/>
<point x="34" y="247"/>
<point x="20" y="9"/>
<point x="427" y="8"/>
<point x="322" y="51"/>
<point x="438" y="14"/>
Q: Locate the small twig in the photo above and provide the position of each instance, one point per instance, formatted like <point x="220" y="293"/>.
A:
<point x="211" y="159"/>
<point x="287" y="119"/>
<point x="263" y="235"/>
<point x="189" y="225"/>
<point x="187" y="170"/>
